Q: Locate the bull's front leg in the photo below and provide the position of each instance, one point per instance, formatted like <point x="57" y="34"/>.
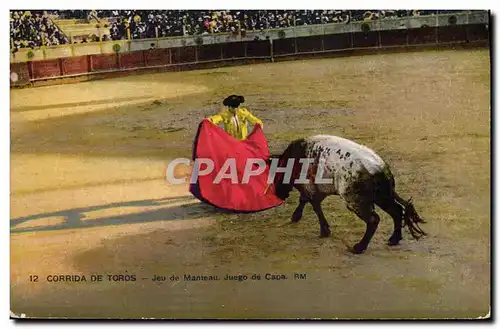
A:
<point x="297" y="214"/>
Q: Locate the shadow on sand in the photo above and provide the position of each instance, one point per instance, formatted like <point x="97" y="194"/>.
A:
<point x="75" y="218"/>
<point x="76" y="104"/>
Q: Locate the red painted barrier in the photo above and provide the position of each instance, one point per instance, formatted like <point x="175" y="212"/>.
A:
<point x="19" y="74"/>
<point x="46" y="69"/>
<point x="157" y="57"/>
<point x="258" y="48"/>
<point x="104" y="62"/>
<point x="236" y="53"/>
<point x="233" y="50"/>
<point x="75" y="65"/>
<point x="187" y="54"/>
<point x="132" y="60"/>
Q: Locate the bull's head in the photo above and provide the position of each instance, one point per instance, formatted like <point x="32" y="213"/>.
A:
<point x="282" y="190"/>
<point x="296" y="150"/>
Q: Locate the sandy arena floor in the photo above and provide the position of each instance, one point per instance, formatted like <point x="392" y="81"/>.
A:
<point x="88" y="194"/>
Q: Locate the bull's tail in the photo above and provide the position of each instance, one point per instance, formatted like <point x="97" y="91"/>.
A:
<point x="410" y="217"/>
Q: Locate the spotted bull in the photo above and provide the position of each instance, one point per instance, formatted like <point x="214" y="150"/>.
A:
<point x="355" y="173"/>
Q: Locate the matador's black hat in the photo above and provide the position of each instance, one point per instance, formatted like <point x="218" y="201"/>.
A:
<point x="233" y="101"/>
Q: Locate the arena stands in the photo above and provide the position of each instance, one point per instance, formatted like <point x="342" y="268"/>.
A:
<point x="35" y="29"/>
<point x="30" y="29"/>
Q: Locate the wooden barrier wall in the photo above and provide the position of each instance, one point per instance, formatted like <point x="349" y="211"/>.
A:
<point x="214" y="55"/>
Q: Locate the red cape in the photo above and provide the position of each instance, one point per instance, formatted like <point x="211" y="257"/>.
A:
<point x="214" y="143"/>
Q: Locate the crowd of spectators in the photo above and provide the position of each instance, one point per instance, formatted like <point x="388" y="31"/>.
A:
<point x="30" y="29"/>
<point x="145" y="23"/>
<point x="34" y="29"/>
<point x="161" y="23"/>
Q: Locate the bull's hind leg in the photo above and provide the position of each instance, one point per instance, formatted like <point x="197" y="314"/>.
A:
<point x="365" y="211"/>
<point x="395" y="210"/>
<point x="323" y="224"/>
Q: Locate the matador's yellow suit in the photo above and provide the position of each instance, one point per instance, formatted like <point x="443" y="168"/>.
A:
<point x="235" y="117"/>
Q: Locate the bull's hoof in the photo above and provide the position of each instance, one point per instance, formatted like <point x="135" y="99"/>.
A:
<point x="358" y="249"/>
<point x="325" y="233"/>
<point x="394" y="240"/>
<point x="296" y="217"/>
